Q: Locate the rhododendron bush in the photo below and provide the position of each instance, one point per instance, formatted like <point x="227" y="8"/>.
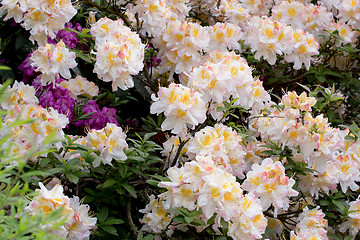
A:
<point x="192" y="119"/>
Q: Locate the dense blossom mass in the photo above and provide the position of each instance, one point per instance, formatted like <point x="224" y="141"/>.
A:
<point x="119" y="53"/>
<point x="212" y="88"/>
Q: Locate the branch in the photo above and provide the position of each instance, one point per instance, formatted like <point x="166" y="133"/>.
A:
<point x="130" y="220"/>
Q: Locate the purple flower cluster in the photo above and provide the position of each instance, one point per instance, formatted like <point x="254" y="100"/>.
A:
<point x="27" y="70"/>
<point x="57" y="97"/>
<point x="99" y="118"/>
<point x="69" y="38"/>
<point x="154" y="61"/>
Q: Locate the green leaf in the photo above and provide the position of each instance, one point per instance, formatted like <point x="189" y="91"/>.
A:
<point x="321" y="78"/>
<point x="85" y="116"/>
<point x="179" y="219"/>
<point x="103" y="214"/>
<point x="188" y="219"/>
<point x="130" y="189"/>
<point x="348" y="238"/>
<point x="149" y="237"/>
<point x="147" y="136"/>
<point x="153" y="182"/>
<point x="198" y="222"/>
<point x="110" y="229"/>
<point x="109" y="183"/>
<point x="113" y="221"/>
<point x="50" y="137"/>
<point x="122" y="170"/>
<point x="220" y="238"/>
<point x="175" y="210"/>
<point x="73" y="162"/>
<point x="161" y="178"/>
<point x="135" y="158"/>
<point x="5" y="68"/>
<point x="22" y="122"/>
<point x="334" y="237"/>
<point x="341" y="205"/>
<point x="35" y="173"/>
<point x="72" y="178"/>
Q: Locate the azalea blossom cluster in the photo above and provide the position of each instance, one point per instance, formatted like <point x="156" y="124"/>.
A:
<point x="268" y="38"/>
<point x="312" y="141"/>
<point x="27" y="138"/>
<point x="223" y="77"/>
<point x="119" y="53"/>
<point x="109" y="142"/>
<point x="269" y="182"/>
<point x="313" y="19"/>
<point x="78" y="223"/>
<point x="182" y="107"/>
<point x="43" y="18"/>
<point x="226" y="76"/>
<point x="153" y="15"/>
<point x="223" y="145"/>
<point x="201" y="185"/>
<point x="234" y="12"/>
<point x="352" y="223"/>
<point x="80" y="86"/>
<point x="311" y="225"/>
<point x="52" y="60"/>
<point x="156" y="218"/>
<point x="180" y="45"/>
<point x="224" y="36"/>
<point x="347" y="11"/>
<point x="19" y="94"/>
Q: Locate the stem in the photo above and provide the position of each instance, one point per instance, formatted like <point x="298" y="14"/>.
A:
<point x="130" y="220"/>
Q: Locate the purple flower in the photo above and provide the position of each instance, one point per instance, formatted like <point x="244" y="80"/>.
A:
<point x="39" y="87"/>
<point x="27" y="70"/>
<point x="154" y="61"/>
<point x="58" y="98"/>
<point x="99" y="118"/>
<point x="69" y="38"/>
